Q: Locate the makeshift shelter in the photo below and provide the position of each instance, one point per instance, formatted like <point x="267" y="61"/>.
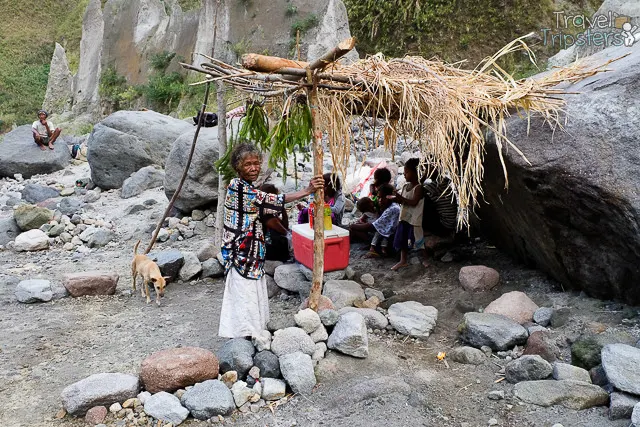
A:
<point x="444" y="109"/>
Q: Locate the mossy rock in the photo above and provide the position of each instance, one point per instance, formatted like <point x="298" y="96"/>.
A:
<point x="585" y="352"/>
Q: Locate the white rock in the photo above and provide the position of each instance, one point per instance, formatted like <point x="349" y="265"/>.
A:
<point x="349" y="336"/>
<point x="412" y="318"/>
<point x="32" y="240"/>
<point x="262" y="340"/>
<point x="308" y="320"/>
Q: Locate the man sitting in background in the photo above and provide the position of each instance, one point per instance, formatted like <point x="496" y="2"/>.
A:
<point x="44" y="133"/>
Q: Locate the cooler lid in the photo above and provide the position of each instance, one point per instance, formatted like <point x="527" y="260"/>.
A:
<point x="306" y="231"/>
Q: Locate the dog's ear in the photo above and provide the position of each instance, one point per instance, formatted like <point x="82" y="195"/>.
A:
<point x="153" y="279"/>
<point x="166" y="278"/>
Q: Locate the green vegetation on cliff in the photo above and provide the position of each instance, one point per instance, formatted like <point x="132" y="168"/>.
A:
<point x="455" y="30"/>
<point x="28" y="32"/>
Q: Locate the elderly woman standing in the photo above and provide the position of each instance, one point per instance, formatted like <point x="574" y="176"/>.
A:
<point x="245" y="305"/>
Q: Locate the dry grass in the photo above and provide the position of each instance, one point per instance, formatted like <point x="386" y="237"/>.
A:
<point x="443" y="109"/>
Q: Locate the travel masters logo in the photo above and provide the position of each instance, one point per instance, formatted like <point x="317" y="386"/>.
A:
<point x="601" y="30"/>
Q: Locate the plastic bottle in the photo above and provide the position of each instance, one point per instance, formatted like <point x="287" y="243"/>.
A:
<point x="311" y="210"/>
<point x="328" y="225"/>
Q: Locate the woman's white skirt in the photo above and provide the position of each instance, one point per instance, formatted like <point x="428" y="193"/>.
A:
<point x="245" y="306"/>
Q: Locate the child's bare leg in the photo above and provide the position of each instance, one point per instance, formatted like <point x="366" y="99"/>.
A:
<point x="402" y="262"/>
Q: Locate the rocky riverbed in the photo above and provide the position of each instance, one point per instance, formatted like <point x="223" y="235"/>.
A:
<point x="48" y="346"/>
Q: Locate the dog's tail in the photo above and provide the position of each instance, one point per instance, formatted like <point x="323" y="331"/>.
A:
<point x="135" y="248"/>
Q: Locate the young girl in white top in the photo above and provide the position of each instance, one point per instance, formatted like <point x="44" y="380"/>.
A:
<point x="410" y="226"/>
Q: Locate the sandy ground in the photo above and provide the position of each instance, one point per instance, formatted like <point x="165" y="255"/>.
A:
<point x="45" y="347"/>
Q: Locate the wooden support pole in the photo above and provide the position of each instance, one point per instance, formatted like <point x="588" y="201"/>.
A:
<point x="344" y="47"/>
<point x="318" y="214"/>
<point x="269" y="64"/>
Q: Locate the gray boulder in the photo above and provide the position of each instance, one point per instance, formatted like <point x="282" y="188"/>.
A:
<point x="144" y="179"/>
<point x="291" y="340"/>
<point x="30" y="217"/>
<point x="343" y="293"/>
<point x="36" y="193"/>
<point x="19" y="154"/>
<point x="212" y="268"/>
<point x="191" y="267"/>
<point x="548" y="216"/>
<point x="236" y="355"/>
<point x="289" y="277"/>
<point x="493" y="330"/>
<point x="621" y="406"/>
<point x="169" y="262"/>
<point x="467" y="355"/>
<point x="621" y="362"/>
<point x="412" y="318"/>
<point x="268" y="364"/>
<point x="70" y="205"/>
<point x="326" y="276"/>
<point x="349" y="336"/>
<point x="9" y="230"/>
<point x="564" y="371"/>
<point x="297" y="370"/>
<point x="570" y="394"/>
<point x="100" y="238"/>
<point x="542" y="316"/>
<point x="527" y="368"/>
<point x="635" y="415"/>
<point x="99" y="389"/>
<point x="308" y="320"/>
<point x="208" y="399"/>
<point x="127" y="141"/>
<point x="373" y="318"/>
<point x="34" y="290"/>
<point x="273" y="389"/>
<point x="166" y="407"/>
<point x="200" y="188"/>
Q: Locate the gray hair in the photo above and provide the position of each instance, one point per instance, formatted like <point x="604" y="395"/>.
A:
<point x="241" y="151"/>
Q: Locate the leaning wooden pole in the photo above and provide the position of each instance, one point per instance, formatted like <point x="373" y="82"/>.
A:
<point x="318" y="214"/>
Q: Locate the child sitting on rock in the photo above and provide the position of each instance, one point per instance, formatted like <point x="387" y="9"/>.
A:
<point x="383" y="227"/>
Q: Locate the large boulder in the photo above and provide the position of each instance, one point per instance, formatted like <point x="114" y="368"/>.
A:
<point x="127" y="141"/>
<point x="30" y="217"/>
<point x="200" y="188"/>
<point x="60" y="84"/>
<point x="174" y="368"/>
<point x="9" y="230"/>
<point x="621" y="362"/>
<point x="99" y="389"/>
<point x="145" y="178"/>
<point x="493" y="330"/>
<point x="32" y="240"/>
<point x="568" y="393"/>
<point x="19" y="154"/>
<point x="36" y="193"/>
<point x="574" y="211"/>
<point x="91" y="283"/>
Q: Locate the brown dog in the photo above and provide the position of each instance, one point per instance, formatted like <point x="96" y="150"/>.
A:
<point x="150" y="272"/>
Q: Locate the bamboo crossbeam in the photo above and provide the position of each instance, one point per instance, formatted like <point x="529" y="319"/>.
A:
<point x="269" y="64"/>
<point x="344" y="47"/>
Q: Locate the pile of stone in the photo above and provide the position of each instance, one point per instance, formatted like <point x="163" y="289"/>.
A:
<point x="177" y="229"/>
<point x="514" y="328"/>
<point x="44" y="213"/>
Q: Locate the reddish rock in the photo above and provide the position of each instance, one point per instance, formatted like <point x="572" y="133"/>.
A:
<point x="514" y="305"/>
<point x="90" y="283"/>
<point x="542" y="344"/>
<point x="478" y="278"/>
<point x="175" y="368"/>
<point x="95" y="415"/>
<point x="324" y="303"/>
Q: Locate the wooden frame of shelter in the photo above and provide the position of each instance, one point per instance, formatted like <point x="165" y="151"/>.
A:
<point x="444" y="109"/>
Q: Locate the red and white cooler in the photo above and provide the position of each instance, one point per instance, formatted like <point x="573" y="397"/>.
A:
<point x="336" y="247"/>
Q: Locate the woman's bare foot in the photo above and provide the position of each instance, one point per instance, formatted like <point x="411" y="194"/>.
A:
<point x="399" y="265"/>
<point x="50" y="146"/>
<point x="42" y="147"/>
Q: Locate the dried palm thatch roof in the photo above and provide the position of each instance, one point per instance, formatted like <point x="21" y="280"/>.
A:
<point x="445" y="109"/>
